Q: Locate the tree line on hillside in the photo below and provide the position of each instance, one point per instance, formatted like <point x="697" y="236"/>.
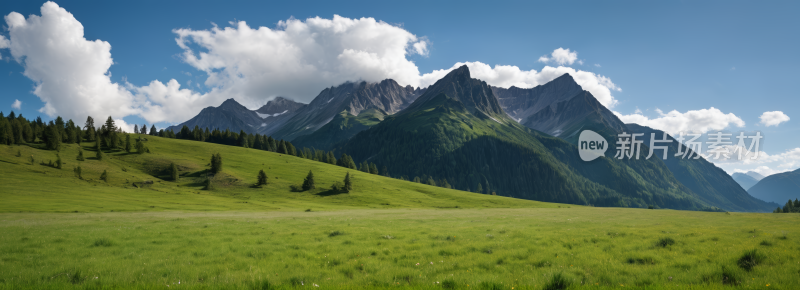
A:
<point x="789" y="207"/>
<point x="15" y="129"/>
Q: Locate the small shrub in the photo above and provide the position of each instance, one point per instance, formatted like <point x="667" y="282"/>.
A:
<point x="58" y="161"/>
<point x="558" y="282"/>
<point x="665" y="242"/>
<point x="750" y="259"/>
<point x="491" y="285"/>
<point x="102" y="242"/>
<point x="338" y="187"/>
<point x="731" y="277"/>
<point x="308" y="210"/>
<point x="766" y="243"/>
<point x="19" y="153"/>
<point x="208" y="184"/>
<point x="261" y="285"/>
<point x="104" y="176"/>
<point x="80" y="155"/>
<point x="335" y="233"/>
<point x="99" y="155"/>
<point x="641" y="260"/>
<point x="77" y="171"/>
<point x="76" y="277"/>
<point x="449" y="284"/>
<point x="295" y="188"/>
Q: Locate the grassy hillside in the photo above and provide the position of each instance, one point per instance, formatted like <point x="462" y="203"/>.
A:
<point x="386" y="233"/>
<point x="40" y="188"/>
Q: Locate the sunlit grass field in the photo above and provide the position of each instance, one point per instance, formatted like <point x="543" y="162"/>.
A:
<point x="61" y="232"/>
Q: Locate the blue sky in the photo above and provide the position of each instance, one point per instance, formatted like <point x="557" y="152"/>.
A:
<point x="738" y="57"/>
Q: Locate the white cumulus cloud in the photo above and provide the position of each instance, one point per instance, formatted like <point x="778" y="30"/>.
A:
<point x="298" y="59"/>
<point x="508" y="75"/>
<point x="697" y="121"/>
<point x="773" y="118"/>
<point x="561" y="56"/>
<point x="70" y="72"/>
<point x="17" y="104"/>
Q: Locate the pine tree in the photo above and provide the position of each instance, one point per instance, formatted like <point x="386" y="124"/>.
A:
<point x="104" y="176"/>
<point x="282" y="147"/>
<point x="136" y="129"/>
<point x="431" y="181"/>
<point x="80" y="154"/>
<point x="77" y="171"/>
<point x="446" y="184"/>
<point x="128" y="143"/>
<point x="480" y="188"/>
<point x="140" y="148"/>
<point x="416" y="179"/>
<point x="153" y="130"/>
<point x="173" y="171"/>
<point x="373" y="169"/>
<point x="330" y="159"/>
<point x="99" y="155"/>
<point x="262" y="178"/>
<point x="385" y="171"/>
<point x="58" y="161"/>
<point x="216" y="163"/>
<point x="364" y="167"/>
<point x="308" y="183"/>
<point x="143" y="130"/>
<point x="348" y="184"/>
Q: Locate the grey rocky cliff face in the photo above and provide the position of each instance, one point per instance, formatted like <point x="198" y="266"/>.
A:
<point x="556" y="107"/>
<point x="476" y="96"/>
<point x="353" y="97"/>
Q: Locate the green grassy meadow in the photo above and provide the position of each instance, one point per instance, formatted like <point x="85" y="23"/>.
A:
<point x="61" y="232"/>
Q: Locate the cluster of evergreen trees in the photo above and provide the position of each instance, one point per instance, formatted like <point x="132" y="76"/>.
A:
<point x="789" y="207"/>
<point x="18" y="130"/>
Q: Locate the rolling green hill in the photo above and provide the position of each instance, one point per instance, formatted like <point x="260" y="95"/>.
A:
<point x="41" y="188"/>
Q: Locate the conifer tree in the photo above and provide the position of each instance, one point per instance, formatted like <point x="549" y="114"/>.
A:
<point x="77" y="171"/>
<point x="330" y="159"/>
<point x="364" y="167"/>
<point x="385" y="171"/>
<point x="431" y="181"/>
<point x="140" y="148"/>
<point x="80" y="154"/>
<point x="99" y="155"/>
<point x="136" y="129"/>
<point x="416" y="179"/>
<point x="173" y="171"/>
<point x="308" y="183"/>
<point x="143" y="130"/>
<point x="282" y="147"/>
<point x="480" y="188"/>
<point x="58" y="161"/>
<point x="262" y="178"/>
<point x="19" y="153"/>
<point x="153" y="130"/>
<point x="348" y="184"/>
<point x="216" y="163"/>
<point x="373" y="169"/>
<point x="128" y="143"/>
<point x="104" y="176"/>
